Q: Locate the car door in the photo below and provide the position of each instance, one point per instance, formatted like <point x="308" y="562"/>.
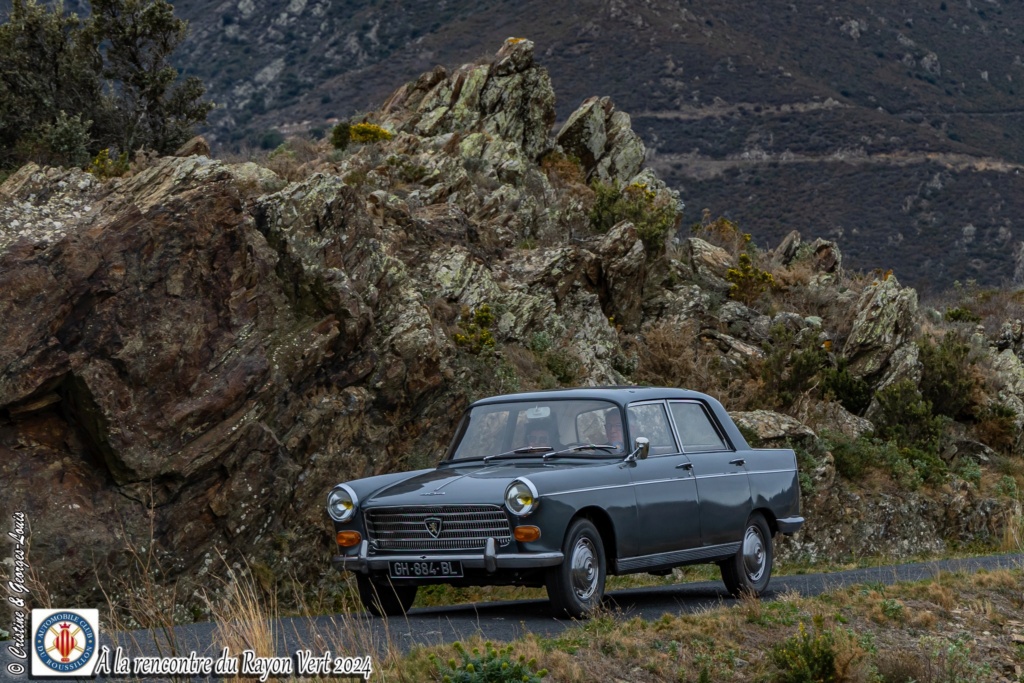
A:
<point x="720" y="473"/>
<point x="666" y="492"/>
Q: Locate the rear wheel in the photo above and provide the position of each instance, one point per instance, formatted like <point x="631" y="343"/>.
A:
<point x="385" y="599"/>
<point x="576" y="586"/>
<point x="750" y="570"/>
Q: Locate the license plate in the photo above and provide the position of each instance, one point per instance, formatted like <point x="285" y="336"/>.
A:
<point x="425" y="569"/>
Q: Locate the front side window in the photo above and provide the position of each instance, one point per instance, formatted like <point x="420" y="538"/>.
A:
<point x="650" y="420"/>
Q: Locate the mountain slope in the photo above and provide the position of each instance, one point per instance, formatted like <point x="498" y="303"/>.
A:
<point x="896" y="125"/>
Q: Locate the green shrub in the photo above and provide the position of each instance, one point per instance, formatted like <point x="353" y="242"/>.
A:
<point x="806" y="657"/>
<point x="790" y="366"/>
<point x="722" y="232"/>
<point x="67" y="140"/>
<point x="476" y="336"/>
<point x="653" y="214"/>
<point x="927" y="466"/>
<point x="892" y="609"/>
<point x="1007" y="487"/>
<point x="539" y="342"/>
<point x="946" y="379"/>
<point x="854" y="393"/>
<point x="909" y="467"/>
<point x="969" y="471"/>
<point x="853" y="457"/>
<point x="997" y="427"/>
<point x="105" y="167"/>
<point x="748" y="281"/>
<point x="369" y="132"/>
<point x="961" y="314"/>
<point x="341" y="135"/>
<point x="563" y="364"/>
<point x="907" y="418"/>
<point x="952" y="660"/>
<point x="490" y="666"/>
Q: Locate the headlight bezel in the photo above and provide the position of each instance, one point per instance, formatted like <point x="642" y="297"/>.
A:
<point x="517" y="485"/>
<point x="335" y="496"/>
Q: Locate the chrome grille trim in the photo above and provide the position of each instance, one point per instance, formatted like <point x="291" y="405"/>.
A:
<point x="463" y="527"/>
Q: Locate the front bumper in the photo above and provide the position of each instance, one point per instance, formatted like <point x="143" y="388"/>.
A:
<point x="489" y="559"/>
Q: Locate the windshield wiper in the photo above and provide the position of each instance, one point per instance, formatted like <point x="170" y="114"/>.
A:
<point x="519" y="451"/>
<point x="582" y="447"/>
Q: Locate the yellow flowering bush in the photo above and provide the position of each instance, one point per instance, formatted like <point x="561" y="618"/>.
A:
<point x="369" y="132"/>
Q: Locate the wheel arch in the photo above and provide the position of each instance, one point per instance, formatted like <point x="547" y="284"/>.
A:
<point x="603" y="521"/>
<point x="769" y="517"/>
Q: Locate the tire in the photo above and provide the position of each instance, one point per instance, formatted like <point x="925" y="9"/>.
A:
<point x="385" y="599"/>
<point x="750" y="570"/>
<point x="576" y="587"/>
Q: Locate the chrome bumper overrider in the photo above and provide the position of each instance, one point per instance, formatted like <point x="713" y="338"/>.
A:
<point x="489" y="559"/>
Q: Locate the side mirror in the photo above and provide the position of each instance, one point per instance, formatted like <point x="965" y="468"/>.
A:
<point x="642" y="447"/>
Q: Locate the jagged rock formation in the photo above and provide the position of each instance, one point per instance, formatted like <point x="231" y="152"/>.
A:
<point x="206" y="348"/>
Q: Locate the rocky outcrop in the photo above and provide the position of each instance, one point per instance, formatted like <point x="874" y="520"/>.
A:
<point x="602" y="138"/>
<point x="510" y="98"/>
<point x="843" y="522"/>
<point x="884" y="320"/>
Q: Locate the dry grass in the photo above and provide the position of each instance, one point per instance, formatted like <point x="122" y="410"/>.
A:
<point x="1013" y="534"/>
<point x="733" y="642"/>
<point x="676" y="355"/>
<point x="245" y="619"/>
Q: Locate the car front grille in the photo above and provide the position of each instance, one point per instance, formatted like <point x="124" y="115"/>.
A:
<point x="462" y="527"/>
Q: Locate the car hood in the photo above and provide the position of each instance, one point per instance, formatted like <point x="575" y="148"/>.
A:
<point x="462" y="485"/>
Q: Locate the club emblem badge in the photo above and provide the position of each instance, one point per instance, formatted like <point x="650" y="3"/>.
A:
<point x="64" y="642"/>
<point x="433" y="526"/>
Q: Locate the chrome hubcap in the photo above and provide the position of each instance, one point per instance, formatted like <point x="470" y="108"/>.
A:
<point x="754" y="556"/>
<point x="583" y="569"/>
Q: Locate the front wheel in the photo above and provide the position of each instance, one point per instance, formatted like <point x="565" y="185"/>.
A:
<point x="576" y="586"/>
<point x="385" y="599"/>
<point x="750" y="570"/>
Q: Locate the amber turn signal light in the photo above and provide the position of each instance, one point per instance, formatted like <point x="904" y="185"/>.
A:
<point x="527" y="533"/>
<point x="347" y="539"/>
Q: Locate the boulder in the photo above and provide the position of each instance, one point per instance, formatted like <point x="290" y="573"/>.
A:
<point x="196" y="146"/>
<point x="831" y="416"/>
<point x="884" y="321"/>
<point x="510" y="98"/>
<point x="602" y="138"/>
<point x="773" y="429"/>
<point x="623" y="273"/>
<point x="708" y="263"/>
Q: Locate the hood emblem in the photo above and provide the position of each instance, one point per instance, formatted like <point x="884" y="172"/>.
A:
<point x="433" y="525"/>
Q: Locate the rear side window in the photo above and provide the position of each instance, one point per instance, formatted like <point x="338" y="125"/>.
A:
<point x="650" y="420"/>
<point x="695" y="428"/>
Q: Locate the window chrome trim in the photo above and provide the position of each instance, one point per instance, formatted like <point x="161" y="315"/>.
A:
<point x="671" y="426"/>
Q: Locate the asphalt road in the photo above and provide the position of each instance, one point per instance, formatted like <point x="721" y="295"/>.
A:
<point x="505" y="621"/>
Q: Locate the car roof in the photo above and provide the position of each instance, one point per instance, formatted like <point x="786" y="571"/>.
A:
<point x="620" y="395"/>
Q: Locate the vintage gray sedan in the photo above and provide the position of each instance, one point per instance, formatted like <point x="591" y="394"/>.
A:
<point x="544" y="489"/>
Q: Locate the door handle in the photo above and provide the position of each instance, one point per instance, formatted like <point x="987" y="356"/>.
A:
<point x="738" y="461"/>
<point x="685" y="466"/>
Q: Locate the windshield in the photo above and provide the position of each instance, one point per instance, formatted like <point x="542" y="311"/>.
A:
<point x="538" y="427"/>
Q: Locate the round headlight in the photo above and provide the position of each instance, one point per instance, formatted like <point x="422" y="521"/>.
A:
<point x="341" y="503"/>
<point x="521" y="497"/>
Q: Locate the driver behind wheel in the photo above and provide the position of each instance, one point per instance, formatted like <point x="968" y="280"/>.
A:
<point x="613" y="429"/>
